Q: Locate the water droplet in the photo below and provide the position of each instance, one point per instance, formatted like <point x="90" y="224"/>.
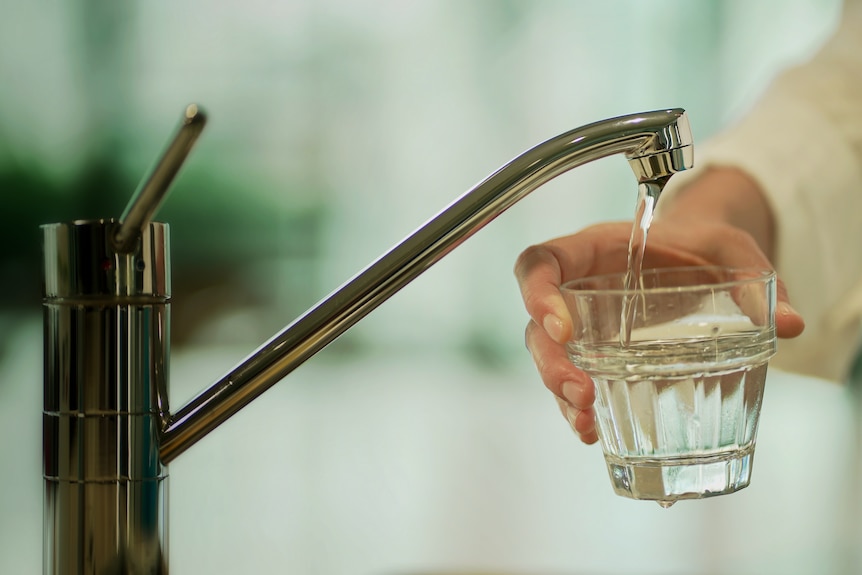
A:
<point x="666" y="504"/>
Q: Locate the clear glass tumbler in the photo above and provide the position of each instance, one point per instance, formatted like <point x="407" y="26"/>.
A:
<point x="679" y="367"/>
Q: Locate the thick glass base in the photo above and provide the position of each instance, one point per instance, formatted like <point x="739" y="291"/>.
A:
<point x="667" y="480"/>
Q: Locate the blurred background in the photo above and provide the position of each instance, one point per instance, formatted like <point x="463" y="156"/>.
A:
<point x="422" y="439"/>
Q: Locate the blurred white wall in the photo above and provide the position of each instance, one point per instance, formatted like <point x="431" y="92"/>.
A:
<point x="381" y="112"/>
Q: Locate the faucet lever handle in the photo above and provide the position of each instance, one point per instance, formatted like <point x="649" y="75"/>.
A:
<point x="154" y="187"/>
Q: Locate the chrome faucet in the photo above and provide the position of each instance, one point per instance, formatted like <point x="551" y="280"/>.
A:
<point x="109" y="434"/>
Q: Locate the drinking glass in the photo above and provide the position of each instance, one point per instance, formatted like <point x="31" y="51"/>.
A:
<point x="679" y="367"/>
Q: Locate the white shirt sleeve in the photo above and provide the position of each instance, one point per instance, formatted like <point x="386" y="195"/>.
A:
<point x="802" y="143"/>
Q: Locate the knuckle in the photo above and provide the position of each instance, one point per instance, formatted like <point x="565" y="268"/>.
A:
<point x="530" y="257"/>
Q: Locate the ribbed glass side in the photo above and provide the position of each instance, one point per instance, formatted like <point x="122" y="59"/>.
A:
<point x="701" y="414"/>
<point x="680" y="438"/>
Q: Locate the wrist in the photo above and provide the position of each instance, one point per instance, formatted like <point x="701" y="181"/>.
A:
<point x="729" y="196"/>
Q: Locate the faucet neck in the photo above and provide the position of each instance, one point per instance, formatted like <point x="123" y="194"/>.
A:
<point x="657" y="145"/>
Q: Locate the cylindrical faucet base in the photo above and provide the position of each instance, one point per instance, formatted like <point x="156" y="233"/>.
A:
<point x="105" y="401"/>
<point x="106" y="528"/>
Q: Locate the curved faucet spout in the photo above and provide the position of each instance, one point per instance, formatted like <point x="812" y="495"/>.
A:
<point x="657" y="144"/>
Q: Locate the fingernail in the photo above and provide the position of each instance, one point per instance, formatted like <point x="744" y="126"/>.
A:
<point x="554" y="327"/>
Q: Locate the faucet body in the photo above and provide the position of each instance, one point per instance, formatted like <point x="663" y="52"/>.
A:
<point x="105" y="400"/>
<point x="108" y="431"/>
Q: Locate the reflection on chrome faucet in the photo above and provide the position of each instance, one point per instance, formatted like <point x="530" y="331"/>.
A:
<point x="108" y="432"/>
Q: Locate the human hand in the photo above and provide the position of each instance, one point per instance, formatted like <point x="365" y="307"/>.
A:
<point x="602" y="249"/>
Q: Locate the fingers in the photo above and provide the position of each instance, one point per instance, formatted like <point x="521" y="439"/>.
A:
<point x="572" y="388"/>
<point x="559" y="374"/>
<point x="539" y="277"/>
<point x="541" y="269"/>
<point x="582" y="422"/>
<point x="788" y="322"/>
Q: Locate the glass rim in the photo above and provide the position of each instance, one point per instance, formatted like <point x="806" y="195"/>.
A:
<point x="756" y="275"/>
